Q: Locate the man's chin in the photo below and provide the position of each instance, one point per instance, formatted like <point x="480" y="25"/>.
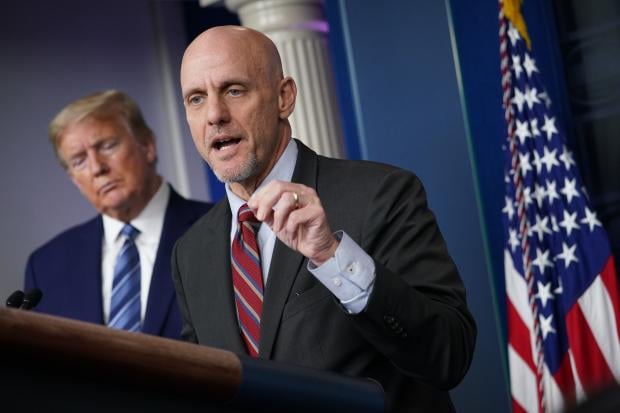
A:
<point x="231" y="177"/>
<point x="237" y="173"/>
<point x="116" y="207"/>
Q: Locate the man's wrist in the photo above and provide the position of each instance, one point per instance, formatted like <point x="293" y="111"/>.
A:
<point x="326" y="253"/>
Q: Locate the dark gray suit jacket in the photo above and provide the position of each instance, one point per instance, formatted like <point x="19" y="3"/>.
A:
<point x="416" y="336"/>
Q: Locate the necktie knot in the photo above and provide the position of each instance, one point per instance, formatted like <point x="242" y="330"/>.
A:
<point x="245" y="214"/>
<point x="130" y="232"/>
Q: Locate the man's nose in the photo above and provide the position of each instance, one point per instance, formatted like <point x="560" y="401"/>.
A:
<point x="97" y="164"/>
<point x="217" y="111"/>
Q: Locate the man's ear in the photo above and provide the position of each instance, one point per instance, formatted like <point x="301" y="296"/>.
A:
<point x="286" y="99"/>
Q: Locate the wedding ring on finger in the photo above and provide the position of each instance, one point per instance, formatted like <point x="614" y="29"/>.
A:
<point x="296" y="199"/>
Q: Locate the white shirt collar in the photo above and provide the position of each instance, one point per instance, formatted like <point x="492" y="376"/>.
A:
<point x="149" y="222"/>
<point x="282" y="170"/>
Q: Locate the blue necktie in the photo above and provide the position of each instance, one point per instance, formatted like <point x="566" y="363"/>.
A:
<point x="125" y="304"/>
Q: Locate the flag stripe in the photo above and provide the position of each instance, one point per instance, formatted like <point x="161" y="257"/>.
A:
<point x="519" y="337"/>
<point x="522" y="382"/>
<point x="594" y="303"/>
<point x="580" y="393"/>
<point x="554" y="400"/>
<point x="565" y="380"/>
<point x="589" y="361"/>
<point x="516" y="289"/>
<point x="516" y="407"/>
<point x="608" y="276"/>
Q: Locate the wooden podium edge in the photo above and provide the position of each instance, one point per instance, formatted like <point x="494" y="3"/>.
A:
<point x="153" y="361"/>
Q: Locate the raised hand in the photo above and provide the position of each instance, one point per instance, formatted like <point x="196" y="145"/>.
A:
<point x="295" y="214"/>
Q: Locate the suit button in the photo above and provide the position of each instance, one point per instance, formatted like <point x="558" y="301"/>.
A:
<point x="403" y="335"/>
<point x="399" y="330"/>
<point x="388" y="319"/>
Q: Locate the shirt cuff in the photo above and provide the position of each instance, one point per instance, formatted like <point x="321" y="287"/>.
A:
<point x="349" y="274"/>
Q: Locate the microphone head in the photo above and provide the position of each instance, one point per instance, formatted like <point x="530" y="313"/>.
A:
<point x="31" y="299"/>
<point x="16" y="299"/>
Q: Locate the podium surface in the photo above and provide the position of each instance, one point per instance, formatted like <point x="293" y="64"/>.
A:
<point x="56" y="364"/>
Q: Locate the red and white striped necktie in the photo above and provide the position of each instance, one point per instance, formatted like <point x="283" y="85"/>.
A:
<point x="247" y="278"/>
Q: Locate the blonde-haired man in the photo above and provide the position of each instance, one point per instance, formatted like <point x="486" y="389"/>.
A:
<point x="96" y="271"/>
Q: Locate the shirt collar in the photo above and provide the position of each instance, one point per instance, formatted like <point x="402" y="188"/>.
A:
<point x="282" y="170"/>
<point x="149" y="222"/>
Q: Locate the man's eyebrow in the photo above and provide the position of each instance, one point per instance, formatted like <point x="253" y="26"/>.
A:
<point x="101" y="140"/>
<point x="76" y="154"/>
<point x="97" y="143"/>
<point x="236" y="81"/>
<point x="243" y="81"/>
<point x="191" y="92"/>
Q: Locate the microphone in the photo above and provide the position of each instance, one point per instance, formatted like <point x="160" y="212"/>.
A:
<point x="16" y="299"/>
<point x="31" y="299"/>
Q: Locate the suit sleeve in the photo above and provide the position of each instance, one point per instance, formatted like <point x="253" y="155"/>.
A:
<point x="187" y="332"/>
<point x="417" y="314"/>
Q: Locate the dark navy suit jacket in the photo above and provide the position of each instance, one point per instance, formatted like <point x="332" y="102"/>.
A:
<point x="67" y="269"/>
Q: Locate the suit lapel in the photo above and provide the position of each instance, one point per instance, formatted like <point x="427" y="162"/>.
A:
<point x="84" y="292"/>
<point x="161" y="290"/>
<point x="213" y="303"/>
<point x="285" y="263"/>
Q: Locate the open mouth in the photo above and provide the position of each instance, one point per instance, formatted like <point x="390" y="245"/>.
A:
<point x="225" y="143"/>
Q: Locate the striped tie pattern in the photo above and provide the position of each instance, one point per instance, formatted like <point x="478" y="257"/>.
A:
<point x="247" y="278"/>
<point x="125" y="304"/>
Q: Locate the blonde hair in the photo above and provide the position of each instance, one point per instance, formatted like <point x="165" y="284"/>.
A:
<point x="101" y="106"/>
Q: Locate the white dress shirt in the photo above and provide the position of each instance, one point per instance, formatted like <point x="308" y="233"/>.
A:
<point x="150" y="223"/>
<point x="349" y="275"/>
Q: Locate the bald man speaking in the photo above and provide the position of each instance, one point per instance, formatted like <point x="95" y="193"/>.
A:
<point x="325" y="263"/>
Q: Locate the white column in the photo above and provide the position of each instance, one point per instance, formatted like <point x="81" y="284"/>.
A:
<point x="299" y="30"/>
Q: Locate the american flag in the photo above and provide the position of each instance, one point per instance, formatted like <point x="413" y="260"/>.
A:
<point x="561" y="283"/>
